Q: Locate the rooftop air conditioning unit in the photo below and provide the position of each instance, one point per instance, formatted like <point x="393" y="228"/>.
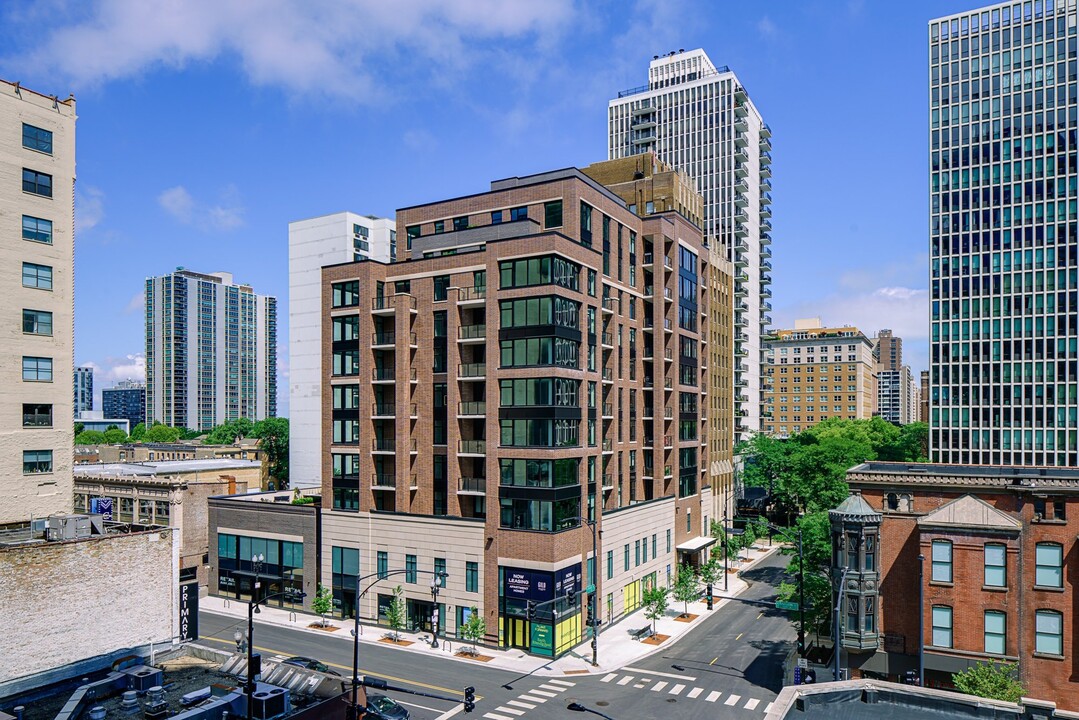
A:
<point x="143" y="677"/>
<point x="269" y="703"/>
<point x="67" y="527"/>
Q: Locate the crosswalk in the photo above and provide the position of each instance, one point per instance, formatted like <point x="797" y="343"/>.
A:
<point x="668" y="687"/>
<point x="513" y="709"/>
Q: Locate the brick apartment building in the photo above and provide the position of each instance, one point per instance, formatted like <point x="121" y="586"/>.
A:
<point x="541" y="355"/>
<point x="1000" y="557"/>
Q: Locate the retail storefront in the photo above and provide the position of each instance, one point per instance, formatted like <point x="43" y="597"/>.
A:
<point x="557" y="622"/>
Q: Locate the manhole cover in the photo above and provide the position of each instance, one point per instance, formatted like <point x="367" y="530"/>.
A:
<point x="602" y="703"/>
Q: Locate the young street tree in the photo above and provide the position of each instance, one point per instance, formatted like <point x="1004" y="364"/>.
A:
<point x="474" y="628"/>
<point x="655" y="604"/>
<point x="711" y="571"/>
<point x="323" y="602"/>
<point x="685" y="587"/>
<point x="395" y="613"/>
<point x="996" y="681"/>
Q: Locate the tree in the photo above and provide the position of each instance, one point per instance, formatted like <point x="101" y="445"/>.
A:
<point x="79" y="427"/>
<point x="818" y="600"/>
<point x="90" y="437"/>
<point x="273" y="440"/>
<point x="710" y="571"/>
<point x="996" y="681"/>
<point x="138" y="432"/>
<point x="474" y="628"/>
<point x="685" y="587"/>
<point x="159" y="433"/>
<point x="115" y="436"/>
<point x="323" y="602"/>
<point x="395" y="613"/>
<point x="655" y="604"/>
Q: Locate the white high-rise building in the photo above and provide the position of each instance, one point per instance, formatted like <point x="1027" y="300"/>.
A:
<point x="211" y="351"/>
<point x="312" y="244"/>
<point x="84" y="389"/>
<point x="698" y="118"/>
<point x="37" y="253"/>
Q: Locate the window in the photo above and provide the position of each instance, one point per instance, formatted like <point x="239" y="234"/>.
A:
<point x="1048" y="565"/>
<point x="442" y="283"/>
<point x="36" y="415"/>
<point x="1048" y="632"/>
<point x="625" y="557"/>
<point x="518" y="213"/>
<point x="610" y="564"/>
<point x="995" y="632"/>
<point x="586" y="224"/>
<point x="472" y="576"/>
<point x="440" y="226"/>
<point x="36" y="276"/>
<point x="37" y="369"/>
<point x="36" y="461"/>
<point x="636" y="553"/>
<point x="552" y="214"/>
<point x="383" y="562"/>
<point x="440" y="568"/>
<point x="942" y="561"/>
<point x="36" y="229"/>
<point x="37" y="183"/>
<point x="496" y="217"/>
<point x="410" y="568"/>
<point x="668" y="542"/>
<point x="36" y="138"/>
<point x="460" y="223"/>
<point x="346" y="294"/>
<point x="411" y="233"/>
<point x="942" y="626"/>
<point x="996" y="565"/>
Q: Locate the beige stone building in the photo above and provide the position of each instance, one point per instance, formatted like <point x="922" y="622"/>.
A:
<point x="818" y="373"/>
<point x="37" y="188"/>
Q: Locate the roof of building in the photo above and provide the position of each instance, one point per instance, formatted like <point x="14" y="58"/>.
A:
<point x="969" y="512"/>
<point x="162" y="467"/>
<point x="854" y="509"/>
<point x="984" y="476"/>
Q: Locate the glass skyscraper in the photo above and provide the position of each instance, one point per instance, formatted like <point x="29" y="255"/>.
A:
<point x="1002" y="116"/>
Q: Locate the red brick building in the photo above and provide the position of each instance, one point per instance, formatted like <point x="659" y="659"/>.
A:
<point x="999" y="549"/>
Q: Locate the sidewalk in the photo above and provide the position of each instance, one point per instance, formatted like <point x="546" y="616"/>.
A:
<point x="616" y="647"/>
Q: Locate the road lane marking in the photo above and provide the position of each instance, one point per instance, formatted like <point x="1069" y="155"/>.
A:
<point x="768" y="708"/>
<point x="661" y="674"/>
<point x="450" y="713"/>
<point x="659" y="686"/>
<point x="563" y="683"/>
<point x="760" y="616"/>
<point x="694" y="692"/>
<point x="713" y="661"/>
<point x="752" y="703"/>
<point x="543" y="693"/>
<point x="676" y="689"/>
<point x="713" y="696"/>
<point x="550" y="686"/>
<point x="496" y="716"/>
<point x="421" y="707"/>
<point x="518" y="703"/>
<point x="626" y="680"/>
<point x="609" y="677"/>
<point x="739" y="636"/>
<point x="732" y="700"/>
<point x="531" y="698"/>
<point x="511" y="711"/>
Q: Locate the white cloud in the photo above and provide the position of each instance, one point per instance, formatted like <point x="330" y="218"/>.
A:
<point x="307" y="46"/>
<point x="137" y="303"/>
<point x="226" y="214"/>
<point x="766" y="27"/>
<point x="89" y="207"/>
<point x="112" y="370"/>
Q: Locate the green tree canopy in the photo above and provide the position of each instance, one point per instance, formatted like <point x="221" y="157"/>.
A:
<point x="273" y="440"/>
<point x="90" y="437"/>
<point x="159" y="433"/>
<point x="138" y="432"/>
<point x="474" y="628"/>
<point x="323" y="602"/>
<point x="655" y="604"/>
<point x="990" y="680"/>
<point x="685" y="586"/>
<point x="115" y="436"/>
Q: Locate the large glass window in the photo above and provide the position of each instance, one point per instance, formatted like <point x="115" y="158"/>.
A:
<point x="942" y="561"/>
<point x="1048" y="565"/>
<point x="541" y="392"/>
<point x="552" y="214"/>
<point x="540" y="473"/>
<point x="36" y="229"/>
<point x="1049" y="632"/>
<point x="524" y="514"/>
<point x="36" y="276"/>
<point x="383" y="562"/>
<point x="346" y="327"/>
<point x="538" y="351"/>
<point x="37" y="183"/>
<point x="346" y="362"/>
<point x="586" y="224"/>
<point x="942" y="626"/>
<point x="36" y="415"/>
<point x="545" y="270"/>
<point x="346" y="569"/>
<point x="996" y="624"/>
<point x="441" y="285"/>
<point x="529" y="432"/>
<point x="346" y="294"/>
<point x="346" y="397"/>
<point x="537" y="311"/>
<point x="36" y="138"/>
<point x="996" y="565"/>
<point x="37" y="369"/>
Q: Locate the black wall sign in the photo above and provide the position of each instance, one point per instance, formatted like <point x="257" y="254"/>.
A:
<point x="189" y="612"/>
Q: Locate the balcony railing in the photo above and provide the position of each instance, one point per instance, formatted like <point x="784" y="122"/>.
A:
<point x="608" y="339"/>
<point x="608" y="375"/>
<point x="608" y="445"/>
<point x="472" y="370"/>
<point x="667" y="262"/>
<point x="472" y="332"/>
<point x="383" y="374"/>
<point x="668" y="354"/>
<point x="472" y="485"/>
<point x="387" y="302"/>
<point x="472" y="447"/>
<point x="470" y="294"/>
<point x="668" y="441"/>
<point x="608" y="409"/>
<point x="610" y="303"/>
<point x="649" y="291"/>
<point x="383" y="338"/>
<point x="384" y="445"/>
<point x="668" y="413"/>
<point x="608" y="481"/>
<point x="384" y="481"/>
<point x="648" y="259"/>
<point x="476" y="407"/>
<point x="383" y="409"/>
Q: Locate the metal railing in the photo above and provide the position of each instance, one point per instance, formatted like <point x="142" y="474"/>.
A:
<point x="472" y="484"/>
<point x="475" y="407"/>
<point x="472" y="370"/>
<point x="384" y="480"/>
<point x="474" y="447"/>
<point x="472" y="332"/>
<point x="383" y="338"/>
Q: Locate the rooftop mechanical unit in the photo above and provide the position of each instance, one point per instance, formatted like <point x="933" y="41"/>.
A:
<point x="143" y="677"/>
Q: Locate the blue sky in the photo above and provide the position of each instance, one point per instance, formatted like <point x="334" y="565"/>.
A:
<point x="205" y="127"/>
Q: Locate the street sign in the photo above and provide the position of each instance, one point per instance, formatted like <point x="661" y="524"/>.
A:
<point x="784" y="605"/>
<point x="803" y="663"/>
<point x="590" y="589"/>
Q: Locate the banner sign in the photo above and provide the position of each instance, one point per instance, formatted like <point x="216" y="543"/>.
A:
<point x="189" y="611"/>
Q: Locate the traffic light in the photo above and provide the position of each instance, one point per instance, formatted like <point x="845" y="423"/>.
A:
<point x="571" y="596"/>
<point x="589" y="620"/>
<point x="470" y="699"/>
<point x="531" y="610"/>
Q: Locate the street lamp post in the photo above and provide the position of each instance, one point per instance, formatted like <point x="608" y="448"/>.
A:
<point x="592" y="595"/>
<point x="578" y="707"/>
<point x="435" y="582"/>
<point x="838" y="634"/>
<point x="921" y="620"/>
<point x="252" y="608"/>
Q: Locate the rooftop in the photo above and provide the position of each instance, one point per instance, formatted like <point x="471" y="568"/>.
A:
<point x="162" y="467"/>
<point x="963" y="475"/>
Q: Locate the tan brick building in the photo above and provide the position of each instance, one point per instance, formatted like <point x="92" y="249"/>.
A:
<point x="1000" y="555"/>
<point x="542" y="354"/>
<point x="817" y="373"/>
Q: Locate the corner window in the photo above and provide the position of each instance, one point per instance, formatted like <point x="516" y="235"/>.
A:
<point x="36" y="276"/>
<point x="411" y="233"/>
<point x="552" y="214"/>
<point x="1048" y="565"/>
<point x="346" y="294"/>
<point x="36" y="183"/>
<point x="35" y="138"/>
<point x="942" y="626"/>
<point x="1049" y="632"/>
<point x="942" y="561"/>
<point x="996" y="565"/>
<point x="36" y="229"/>
<point x="996" y="624"/>
<point x="36" y="461"/>
<point x="586" y="224"/>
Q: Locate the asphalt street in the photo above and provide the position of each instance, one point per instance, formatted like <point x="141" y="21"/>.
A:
<point x="729" y="666"/>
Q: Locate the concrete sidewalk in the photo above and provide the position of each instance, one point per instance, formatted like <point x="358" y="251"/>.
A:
<point x="616" y="647"/>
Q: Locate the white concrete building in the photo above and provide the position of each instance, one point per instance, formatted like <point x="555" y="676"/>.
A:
<point x="211" y="351"/>
<point x="37" y="238"/>
<point x="698" y="118"/>
<point x="312" y="244"/>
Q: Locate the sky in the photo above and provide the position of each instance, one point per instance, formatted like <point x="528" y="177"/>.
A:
<point x="205" y="127"/>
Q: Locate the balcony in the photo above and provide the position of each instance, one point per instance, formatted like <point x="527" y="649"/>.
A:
<point x="472" y="296"/>
<point x="383" y="410"/>
<point x="741" y="231"/>
<point x="741" y="125"/>
<point x="387" y="304"/>
<point x="474" y="448"/>
<point x="766" y="279"/>
<point x="384" y="445"/>
<point x="668" y="355"/>
<point x="766" y="252"/>
<point x="608" y="446"/>
<point x="383" y="481"/>
<point x="766" y="266"/>
<point x="645" y="122"/>
<point x="741" y="109"/>
<point x="668" y="263"/>
<point x="741" y="170"/>
<point x="380" y="375"/>
<point x="649" y="291"/>
<point x="740" y="94"/>
<point x="608" y="482"/>
<point x="472" y="333"/>
<point x="766" y="226"/>
<point x="766" y="132"/>
<point x="766" y="307"/>
<point x="740" y="290"/>
<point x="607" y="340"/>
<point x="383" y="339"/>
<point x="766" y="239"/>
<point x="608" y="375"/>
<point x="766" y="198"/>
<point x="476" y="408"/>
<point x="741" y="156"/>
<point x="667" y="325"/>
<point x="608" y="411"/>
<point x="668" y="384"/>
<point x="649" y="413"/>
<point x="766" y="171"/>
<point x="647" y="260"/>
<point x="648" y="441"/>
<point x="766" y="319"/>
<point x="668" y="295"/>
<point x="668" y="472"/>
<point x="643" y="137"/>
<point x="472" y="486"/>
<point x="609" y="304"/>
<point x="649" y="325"/>
<point x="741" y="140"/>
<point x="766" y="212"/>
<point x="668" y="413"/>
<point x="472" y="371"/>
<point x="766" y="158"/>
<point x="740" y="200"/>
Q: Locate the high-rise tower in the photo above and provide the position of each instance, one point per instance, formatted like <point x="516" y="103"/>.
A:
<point x="698" y="118"/>
<point x="1002" y="188"/>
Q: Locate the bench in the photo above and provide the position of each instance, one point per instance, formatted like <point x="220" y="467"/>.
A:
<point x="645" y="632"/>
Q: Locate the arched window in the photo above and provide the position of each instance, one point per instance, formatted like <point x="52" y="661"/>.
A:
<point x="1049" y="565"/>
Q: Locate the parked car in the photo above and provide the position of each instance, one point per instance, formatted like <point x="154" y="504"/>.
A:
<point x="381" y="707"/>
<point x="310" y="664"/>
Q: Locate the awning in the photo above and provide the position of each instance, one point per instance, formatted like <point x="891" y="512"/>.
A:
<point x="697" y="544"/>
